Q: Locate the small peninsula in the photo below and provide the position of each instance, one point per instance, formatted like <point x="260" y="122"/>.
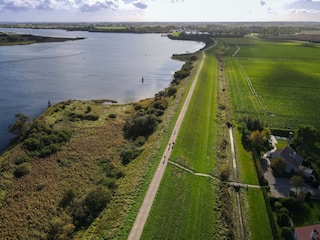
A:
<point x="9" y="39"/>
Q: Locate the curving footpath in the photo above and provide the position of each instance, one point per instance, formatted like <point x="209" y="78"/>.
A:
<point x="145" y="208"/>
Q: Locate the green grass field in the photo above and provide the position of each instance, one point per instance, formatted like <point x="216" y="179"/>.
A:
<point x="184" y="205"/>
<point x="284" y="77"/>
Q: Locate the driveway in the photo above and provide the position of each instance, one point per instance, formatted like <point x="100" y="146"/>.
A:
<point x="280" y="187"/>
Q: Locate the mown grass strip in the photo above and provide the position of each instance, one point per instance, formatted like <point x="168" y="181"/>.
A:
<point x="259" y="220"/>
<point x="184" y="205"/>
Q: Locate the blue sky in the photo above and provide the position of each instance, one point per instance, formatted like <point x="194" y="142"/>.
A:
<point x="158" y="10"/>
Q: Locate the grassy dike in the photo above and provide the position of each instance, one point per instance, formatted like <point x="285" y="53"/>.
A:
<point x="80" y="166"/>
<point x="186" y="205"/>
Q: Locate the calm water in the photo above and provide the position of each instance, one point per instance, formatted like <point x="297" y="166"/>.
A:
<point x="103" y="66"/>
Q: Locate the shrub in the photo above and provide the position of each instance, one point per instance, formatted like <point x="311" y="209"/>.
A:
<point x="172" y="91"/>
<point x="160" y="104"/>
<point x="67" y="198"/>
<point x="140" y="141"/>
<point x="181" y="74"/>
<point x="193" y="58"/>
<point x="112" y="115"/>
<point x="137" y="107"/>
<point x="42" y="141"/>
<point x="22" y="169"/>
<point x="86" y="210"/>
<point x="140" y="126"/>
<point x="75" y="117"/>
<point x="22" y="158"/>
<point x="97" y="199"/>
<point x="61" y="228"/>
<point x="225" y="172"/>
<point x="284" y="220"/>
<point x="277" y="206"/>
<point x="129" y="153"/>
<point x="283" y="210"/>
<point x="88" y="109"/>
<point x="286" y="233"/>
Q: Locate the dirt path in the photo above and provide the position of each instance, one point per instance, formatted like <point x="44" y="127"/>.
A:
<point x="145" y="208"/>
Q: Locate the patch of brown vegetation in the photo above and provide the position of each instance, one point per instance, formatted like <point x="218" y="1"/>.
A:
<point x="32" y="201"/>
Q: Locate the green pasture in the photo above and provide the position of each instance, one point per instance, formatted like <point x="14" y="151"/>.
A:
<point x="246" y="166"/>
<point x="183" y="208"/>
<point x="284" y="76"/>
<point x="184" y="205"/>
<point x="258" y="216"/>
<point x="259" y="225"/>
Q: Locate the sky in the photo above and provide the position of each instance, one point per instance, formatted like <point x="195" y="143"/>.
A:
<point x="158" y="10"/>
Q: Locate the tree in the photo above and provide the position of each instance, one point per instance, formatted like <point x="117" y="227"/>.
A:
<point x="286" y="233"/>
<point x="19" y="125"/>
<point x="259" y="139"/>
<point x="284" y="220"/>
<point x="278" y="165"/>
<point x="305" y="139"/>
<point x="297" y="182"/>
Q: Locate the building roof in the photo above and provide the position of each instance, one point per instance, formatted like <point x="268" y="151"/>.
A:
<point x="290" y="156"/>
<point x="307" y="232"/>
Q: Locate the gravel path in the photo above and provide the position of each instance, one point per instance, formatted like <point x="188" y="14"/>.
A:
<point x="145" y="208"/>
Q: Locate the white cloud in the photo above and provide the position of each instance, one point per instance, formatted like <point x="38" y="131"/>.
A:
<point x="162" y="10"/>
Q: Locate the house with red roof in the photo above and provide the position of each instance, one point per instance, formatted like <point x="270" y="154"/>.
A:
<point x="310" y="232"/>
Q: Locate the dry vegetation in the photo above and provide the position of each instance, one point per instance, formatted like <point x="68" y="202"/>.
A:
<point x="31" y="202"/>
<point x="60" y="195"/>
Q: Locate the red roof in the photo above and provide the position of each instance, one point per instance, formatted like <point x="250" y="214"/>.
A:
<point x="307" y="232"/>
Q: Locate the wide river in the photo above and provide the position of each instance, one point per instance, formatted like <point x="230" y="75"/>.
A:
<point x="102" y="66"/>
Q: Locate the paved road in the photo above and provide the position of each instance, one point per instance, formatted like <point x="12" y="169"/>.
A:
<point x="143" y="213"/>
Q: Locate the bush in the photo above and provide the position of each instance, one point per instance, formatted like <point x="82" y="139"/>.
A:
<point x="172" y="91"/>
<point x="129" y="153"/>
<point x="284" y="220"/>
<point x="88" y="109"/>
<point x="225" y="172"/>
<point x="22" y="158"/>
<point x="140" y="141"/>
<point x="160" y="104"/>
<point x="22" y="169"/>
<point x="112" y="115"/>
<point x="86" y="210"/>
<point x="286" y="233"/>
<point x="137" y="107"/>
<point x="42" y="141"/>
<point x="277" y="206"/>
<point x="67" y="198"/>
<point x="283" y="210"/>
<point x="97" y="199"/>
<point x="140" y="126"/>
<point x="75" y="116"/>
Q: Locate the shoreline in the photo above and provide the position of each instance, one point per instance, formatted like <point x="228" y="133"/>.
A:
<point x="13" y="39"/>
<point x="103" y="101"/>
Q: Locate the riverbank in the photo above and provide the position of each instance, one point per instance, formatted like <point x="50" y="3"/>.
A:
<point x="90" y="162"/>
<point x="10" y="39"/>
